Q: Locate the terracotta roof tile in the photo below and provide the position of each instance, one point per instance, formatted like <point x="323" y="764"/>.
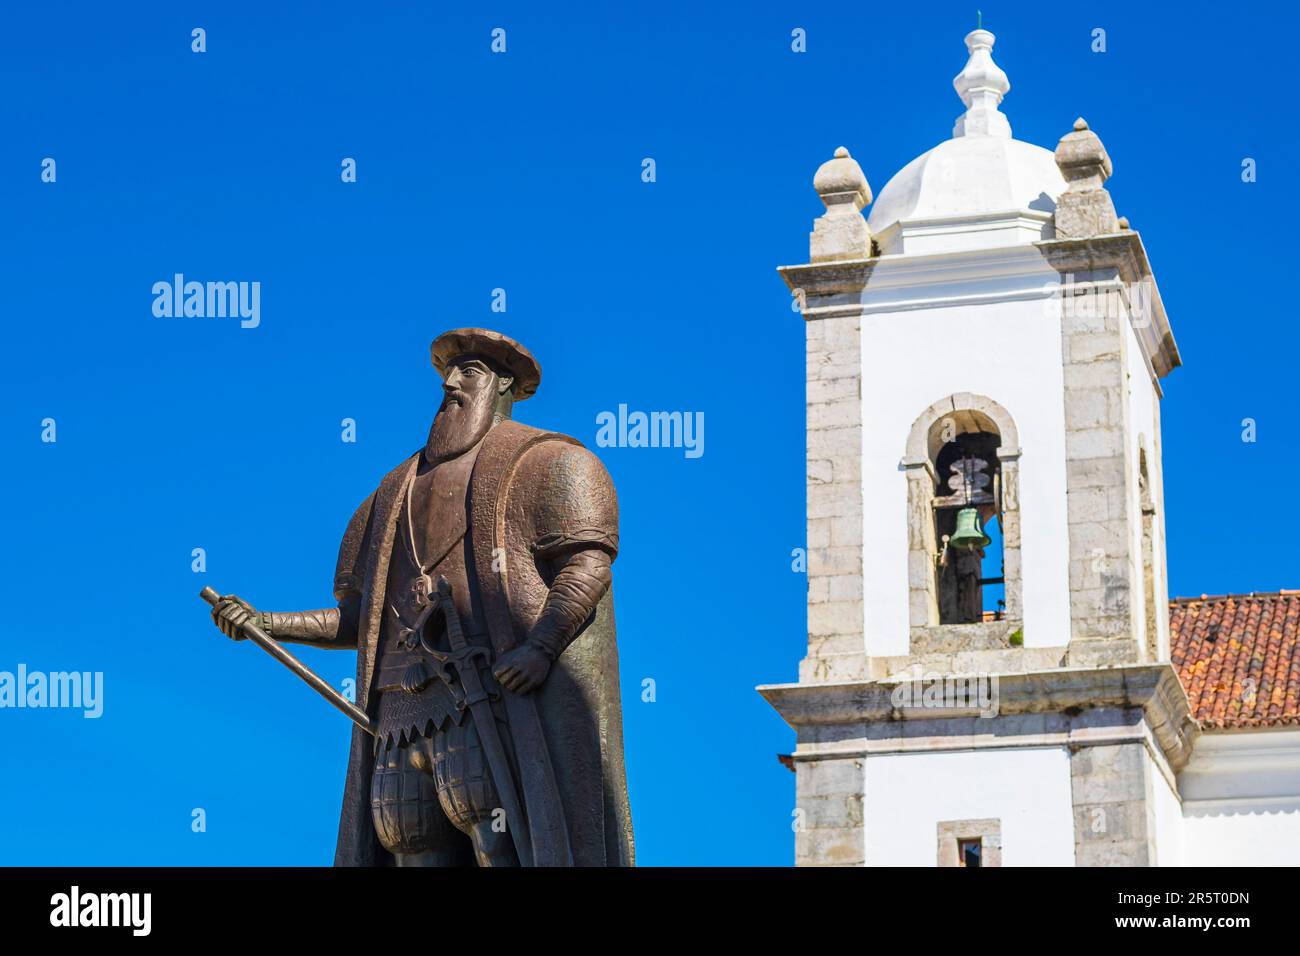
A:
<point x="1238" y="656"/>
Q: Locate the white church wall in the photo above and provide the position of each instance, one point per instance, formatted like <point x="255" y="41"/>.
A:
<point x="1026" y="789"/>
<point x="1009" y="351"/>
<point x="1168" y="814"/>
<point x="1242" y="837"/>
<point x="1241" y="799"/>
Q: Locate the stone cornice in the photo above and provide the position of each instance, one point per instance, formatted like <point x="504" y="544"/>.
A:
<point x="896" y="272"/>
<point x="845" y="276"/>
<point x="973" y="276"/>
<point x="1153" y="688"/>
<point x="896" y="283"/>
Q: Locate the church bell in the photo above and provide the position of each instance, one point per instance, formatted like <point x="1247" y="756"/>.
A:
<point x="969" y="536"/>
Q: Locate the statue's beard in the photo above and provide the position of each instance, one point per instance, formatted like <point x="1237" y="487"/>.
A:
<point x="460" y="424"/>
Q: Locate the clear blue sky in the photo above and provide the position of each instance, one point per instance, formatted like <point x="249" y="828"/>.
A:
<point x="522" y="171"/>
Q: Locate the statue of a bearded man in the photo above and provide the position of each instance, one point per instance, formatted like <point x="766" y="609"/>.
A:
<point x="474" y="584"/>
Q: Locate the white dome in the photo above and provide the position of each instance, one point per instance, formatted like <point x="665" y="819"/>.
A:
<point x="980" y="189"/>
<point x="987" y="178"/>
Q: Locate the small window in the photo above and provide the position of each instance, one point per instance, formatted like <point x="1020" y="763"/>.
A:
<point x="970" y="842"/>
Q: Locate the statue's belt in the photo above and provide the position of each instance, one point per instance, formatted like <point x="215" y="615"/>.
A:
<point x="417" y="693"/>
<point x="410" y="669"/>
<point x="414" y="697"/>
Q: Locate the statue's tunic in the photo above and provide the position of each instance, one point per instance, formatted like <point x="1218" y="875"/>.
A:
<point x="428" y="757"/>
<point x="411" y="699"/>
<point x="533" y="497"/>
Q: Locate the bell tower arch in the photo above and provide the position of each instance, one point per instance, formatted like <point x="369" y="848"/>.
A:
<point x="962" y="466"/>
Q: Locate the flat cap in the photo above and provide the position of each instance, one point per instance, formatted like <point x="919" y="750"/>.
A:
<point x="499" y="349"/>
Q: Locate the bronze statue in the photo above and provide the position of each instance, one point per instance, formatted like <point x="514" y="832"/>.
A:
<point x="474" y="585"/>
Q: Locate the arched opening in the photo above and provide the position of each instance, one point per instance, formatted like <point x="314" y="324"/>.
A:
<point x="963" y="518"/>
<point x="968" y="527"/>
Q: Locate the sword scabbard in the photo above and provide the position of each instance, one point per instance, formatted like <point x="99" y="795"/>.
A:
<point x="479" y="703"/>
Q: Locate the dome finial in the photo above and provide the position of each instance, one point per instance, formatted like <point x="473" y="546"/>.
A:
<point x="981" y="86"/>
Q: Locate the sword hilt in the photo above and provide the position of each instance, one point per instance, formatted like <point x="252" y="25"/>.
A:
<point x="455" y="636"/>
<point x="474" y="686"/>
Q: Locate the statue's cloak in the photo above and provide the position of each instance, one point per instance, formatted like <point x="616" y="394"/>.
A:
<point x="532" y="495"/>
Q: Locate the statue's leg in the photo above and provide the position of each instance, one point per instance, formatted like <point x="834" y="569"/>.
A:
<point x="408" y="818"/>
<point x="493" y="847"/>
<point x="449" y="856"/>
<point x="468" y="794"/>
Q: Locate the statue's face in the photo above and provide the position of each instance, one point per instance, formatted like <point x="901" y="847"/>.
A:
<point x="470" y="390"/>
<point x="467" y="379"/>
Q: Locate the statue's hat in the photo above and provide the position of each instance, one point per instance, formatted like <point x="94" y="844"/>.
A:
<point x="500" y="349"/>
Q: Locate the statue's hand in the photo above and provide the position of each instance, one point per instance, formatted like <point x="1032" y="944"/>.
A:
<point x="523" y="669"/>
<point x="231" y="613"/>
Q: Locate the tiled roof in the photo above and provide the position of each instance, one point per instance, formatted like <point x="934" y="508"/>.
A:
<point x="1238" y="656"/>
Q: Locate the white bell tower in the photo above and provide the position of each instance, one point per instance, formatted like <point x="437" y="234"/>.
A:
<point x="984" y="502"/>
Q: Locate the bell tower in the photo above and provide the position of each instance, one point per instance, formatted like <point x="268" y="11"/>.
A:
<point x="985" y="509"/>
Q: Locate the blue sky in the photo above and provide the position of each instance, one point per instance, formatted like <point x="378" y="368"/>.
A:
<point x="522" y="171"/>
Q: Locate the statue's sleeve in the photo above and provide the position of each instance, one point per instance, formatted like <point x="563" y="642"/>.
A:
<point x="576" y="508"/>
<point x="350" y="573"/>
<point x="575" y="538"/>
<point x="333" y="627"/>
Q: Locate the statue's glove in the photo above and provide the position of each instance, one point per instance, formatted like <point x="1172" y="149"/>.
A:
<point x="579" y="584"/>
<point x="522" y="669"/>
<point x="231" y="613"/>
